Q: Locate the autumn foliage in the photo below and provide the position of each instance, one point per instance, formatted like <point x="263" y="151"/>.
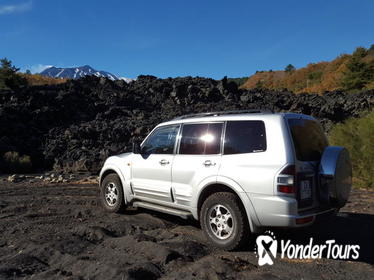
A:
<point x="37" y="80"/>
<point x="347" y="72"/>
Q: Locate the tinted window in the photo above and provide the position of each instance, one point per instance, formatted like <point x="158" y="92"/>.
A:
<point x="213" y="139"/>
<point x="245" y="137"/>
<point x="161" y="141"/>
<point x="201" y="139"/>
<point x="308" y="138"/>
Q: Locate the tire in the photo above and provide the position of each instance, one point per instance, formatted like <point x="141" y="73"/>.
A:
<point x="111" y="194"/>
<point x="234" y="234"/>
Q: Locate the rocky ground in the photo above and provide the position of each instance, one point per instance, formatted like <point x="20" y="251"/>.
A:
<point x="75" y="126"/>
<point x="59" y="231"/>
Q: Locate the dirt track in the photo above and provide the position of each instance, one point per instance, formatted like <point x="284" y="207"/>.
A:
<point x="60" y="232"/>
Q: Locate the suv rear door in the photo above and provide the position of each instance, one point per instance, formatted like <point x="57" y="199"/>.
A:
<point x="198" y="158"/>
<point x="309" y="142"/>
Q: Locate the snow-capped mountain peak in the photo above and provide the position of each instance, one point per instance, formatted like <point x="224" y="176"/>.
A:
<point x="127" y="80"/>
<point x="78" y="72"/>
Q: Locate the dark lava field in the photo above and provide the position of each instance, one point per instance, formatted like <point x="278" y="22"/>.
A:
<point x="75" y="126"/>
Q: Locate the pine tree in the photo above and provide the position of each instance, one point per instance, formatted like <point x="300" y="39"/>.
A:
<point x="9" y="78"/>
<point x="289" y="68"/>
<point x="359" y="73"/>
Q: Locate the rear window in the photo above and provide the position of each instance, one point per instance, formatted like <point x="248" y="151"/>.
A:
<point x="308" y="138"/>
<point x="245" y="137"/>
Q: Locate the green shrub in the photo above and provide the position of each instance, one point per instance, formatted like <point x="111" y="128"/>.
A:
<point x="316" y="76"/>
<point x="238" y="81"/>
<point x="12" y="162"/>
<point x="357" y="135"/>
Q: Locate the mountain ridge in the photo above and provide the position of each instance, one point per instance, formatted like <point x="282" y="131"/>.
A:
<point x="79" y="72"/>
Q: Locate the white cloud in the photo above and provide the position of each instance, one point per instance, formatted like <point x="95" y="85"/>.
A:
<point x="18" y="8"/>
<point x="37" y="68"/>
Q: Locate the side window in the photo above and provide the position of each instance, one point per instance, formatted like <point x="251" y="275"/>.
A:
<point x="245" y="137"/>
<point x="199" y="139"/>
<point x="161" y="141"/>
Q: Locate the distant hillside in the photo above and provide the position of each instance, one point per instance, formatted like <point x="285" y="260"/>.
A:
<point x="347" y="72"/>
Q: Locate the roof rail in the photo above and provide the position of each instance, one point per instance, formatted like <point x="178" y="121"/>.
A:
<point x="220" y="113"/>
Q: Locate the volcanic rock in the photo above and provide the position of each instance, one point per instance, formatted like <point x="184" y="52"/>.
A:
<point x="75" y="126"/>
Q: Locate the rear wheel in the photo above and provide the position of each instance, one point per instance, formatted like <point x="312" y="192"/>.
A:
<point x="111" y="194"/>
<point x="224" y="222"/>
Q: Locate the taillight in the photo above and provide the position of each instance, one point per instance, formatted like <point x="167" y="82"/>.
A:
<point x="286" y="189"/>
<point x="286" y="180"/>
<point x="304" y="220"/>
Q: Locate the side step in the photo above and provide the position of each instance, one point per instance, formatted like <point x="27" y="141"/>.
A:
<point x="177" y="212"/>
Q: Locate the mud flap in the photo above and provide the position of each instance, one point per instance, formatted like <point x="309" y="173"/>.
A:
<point x="335" y="176"/>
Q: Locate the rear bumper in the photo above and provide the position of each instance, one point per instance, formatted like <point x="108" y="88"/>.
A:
<point x="275" y="211"/>
<point x="308" y="218"/>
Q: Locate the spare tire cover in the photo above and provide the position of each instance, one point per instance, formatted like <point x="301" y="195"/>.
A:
<point x="336" y="174"/>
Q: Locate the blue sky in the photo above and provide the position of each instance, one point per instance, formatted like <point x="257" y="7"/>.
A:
<point x="180" y="38"/>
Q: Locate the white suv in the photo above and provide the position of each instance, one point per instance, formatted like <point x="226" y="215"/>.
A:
<point x="237" y="172"/>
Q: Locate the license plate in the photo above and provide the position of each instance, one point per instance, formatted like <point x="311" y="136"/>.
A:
<point x="305" y="190"/>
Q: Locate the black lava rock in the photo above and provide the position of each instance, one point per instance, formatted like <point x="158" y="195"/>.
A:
<point x="75" y="126"/>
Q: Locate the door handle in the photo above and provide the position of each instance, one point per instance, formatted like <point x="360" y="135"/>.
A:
<point x="209" y="163"/>
<point x="164" y="162"/>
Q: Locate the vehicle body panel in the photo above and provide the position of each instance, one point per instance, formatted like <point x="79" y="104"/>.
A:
<point x="150" y="178"/>
<point x="189" y="171"/>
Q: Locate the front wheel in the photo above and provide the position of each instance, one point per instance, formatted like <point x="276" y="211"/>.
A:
<point x="224" y="221"/>
<point x="111" y="194"/>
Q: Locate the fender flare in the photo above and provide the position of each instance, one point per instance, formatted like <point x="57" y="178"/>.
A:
<point x="115" y="169"/>
<point x="238" y="190"/>
<point x="211" y="180"/>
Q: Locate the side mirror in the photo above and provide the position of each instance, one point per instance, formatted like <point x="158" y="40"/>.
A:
<point x="136" y="147"/>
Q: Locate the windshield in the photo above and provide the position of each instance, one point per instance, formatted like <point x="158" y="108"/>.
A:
<point x="308" y="138"/>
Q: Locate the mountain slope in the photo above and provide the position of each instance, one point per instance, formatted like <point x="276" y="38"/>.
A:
<point x="76" y="72"/>
<point x="348" y="72"/>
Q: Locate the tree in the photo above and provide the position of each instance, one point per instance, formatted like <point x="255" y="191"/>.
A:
<point x="360" y="52"/>
<point x="359" y="73"/>
<point x="28" y="72"/>
<point x="289" y="68"/>
<point x="9" y="78"/>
